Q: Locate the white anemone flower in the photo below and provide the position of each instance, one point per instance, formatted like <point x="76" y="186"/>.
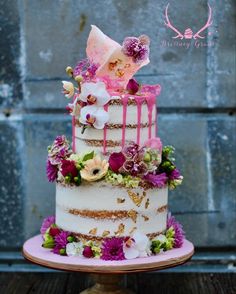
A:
<point x="94" y="116"/>
<point x="137" y="246"/>
<point x="74" y="248"/>
<point x="94" y="93"/>
<point x="68" y="89"/>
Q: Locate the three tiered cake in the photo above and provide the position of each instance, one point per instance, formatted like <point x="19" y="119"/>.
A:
<point x="112" y="184"/>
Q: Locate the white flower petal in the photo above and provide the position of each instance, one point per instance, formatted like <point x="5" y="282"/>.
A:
<point x="97" y="90"/>
<point x="68" y="86"/>
<point x="102" y="117"/>
<point x="130" y="252"/>
<point x="87" y="89"/>
<point x="74" y="248"/>
<point x="90" y="109"/>
<point x="141" y="240"/>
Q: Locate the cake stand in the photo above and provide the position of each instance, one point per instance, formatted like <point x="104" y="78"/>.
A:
<point x="106" y="274"/>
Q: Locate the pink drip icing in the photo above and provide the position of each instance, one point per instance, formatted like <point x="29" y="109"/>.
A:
<point x="124" y="102"/>
<point x="139" y="101"/>
<point x="73" y="129"/>
<point x="151" y="100"/>
<point x="105" y="133"/>
<point x="156" y="127"/>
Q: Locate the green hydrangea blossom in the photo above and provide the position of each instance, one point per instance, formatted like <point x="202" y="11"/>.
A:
<point x="125" y="180"/>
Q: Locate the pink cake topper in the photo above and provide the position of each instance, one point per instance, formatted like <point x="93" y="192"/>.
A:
<point x="117" y="62"/>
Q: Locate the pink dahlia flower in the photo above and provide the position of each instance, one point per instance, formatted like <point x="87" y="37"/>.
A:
<point x="52" y="171"/>
<point x="154" y="143"/>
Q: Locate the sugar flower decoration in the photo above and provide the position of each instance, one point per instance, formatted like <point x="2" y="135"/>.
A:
<point x="179" y="234"/>
<point x="94" y="169"/>
<point x="94" y="116"/>
<point x="94" y="93"/>
<point x="112" y="249"/>
<point x="74" y="248"/>
<point x="137" y="48"/>
<point x="68" y="89"/>
<point x="47" y="222"/>
<point x="136" y="246"/>
<point x="59" y="150"/>
<point x="86" y="69"/>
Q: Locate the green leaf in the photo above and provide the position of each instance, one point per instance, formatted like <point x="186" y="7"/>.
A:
<point x="88" y="156"/>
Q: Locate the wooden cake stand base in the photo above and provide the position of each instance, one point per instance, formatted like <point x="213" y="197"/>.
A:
<point x="106" y="274"/>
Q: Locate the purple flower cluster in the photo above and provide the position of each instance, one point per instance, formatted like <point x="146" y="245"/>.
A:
<point x="112" y="249"/>
<point x="178" y="229"/>
<point x="86" y="69"/>
<point x="157" y="180"/>
<point x="47" y="222"/>
<point x="60" y="241"/>
<point x="137" y="48"/>
<point x="57" y="152"/>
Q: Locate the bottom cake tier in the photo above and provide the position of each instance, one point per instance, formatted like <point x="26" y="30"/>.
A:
<point x="100" y="210"/>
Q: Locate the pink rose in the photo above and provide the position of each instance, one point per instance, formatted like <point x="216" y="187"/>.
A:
<point x="87" y="252"/>
<point x="68" y="167"/>
<point x="116" y="160"/>
<point x="154" y="143"/>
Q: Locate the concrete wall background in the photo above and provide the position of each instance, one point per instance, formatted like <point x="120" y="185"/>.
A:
<point x="38" y="39"/>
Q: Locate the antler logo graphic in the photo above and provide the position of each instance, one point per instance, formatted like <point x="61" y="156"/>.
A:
<point x="188" y="34"/>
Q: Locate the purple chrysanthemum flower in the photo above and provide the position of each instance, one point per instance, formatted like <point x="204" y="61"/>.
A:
<point x="137" y="48"/>
<point x="178" y="229"/>
<point x="86" y="69"/>
<point x="158" y="180"/>
<point x="112" y="249"/>
<point x="47" y="222"/>
<point x="175" y="174"/>
<point x="61" y="239"/>
<point x="52" y="171"/>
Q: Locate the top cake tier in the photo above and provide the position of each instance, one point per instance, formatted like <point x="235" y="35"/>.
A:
<point x="132" y="118"/>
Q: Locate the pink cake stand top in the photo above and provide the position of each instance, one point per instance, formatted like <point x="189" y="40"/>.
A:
<point x="34" y="252"/>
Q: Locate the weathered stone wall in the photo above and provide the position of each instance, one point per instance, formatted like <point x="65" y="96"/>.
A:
<point x="38" y="39"/>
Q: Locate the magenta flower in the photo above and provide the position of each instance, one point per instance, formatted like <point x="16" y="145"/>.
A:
<point x="158" y="180"/>
<point x="68" y="168"/>
<point x="178" y="230"/>
<point x="112" y="249"/>
<point x="135" y="167"/>
<point x="154" y="143"/>
<point x="175" y="174"/>
<point x="52" y="171"/>
<point x="116" y="160"/>
<point x="131" y="150"/>
<point x="137" y="48"/>
<point x="47" y="222"/>
<point x="132" y="86"/>
<point x="88" y="252"/>
<point x="86" y="69"/>
<point x="61" y="239"/>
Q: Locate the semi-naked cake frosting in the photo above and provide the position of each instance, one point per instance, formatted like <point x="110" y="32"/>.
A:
<point x="112" y="182"/>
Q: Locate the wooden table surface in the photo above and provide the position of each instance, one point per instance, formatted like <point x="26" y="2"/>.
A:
<point x="150" y="283"/>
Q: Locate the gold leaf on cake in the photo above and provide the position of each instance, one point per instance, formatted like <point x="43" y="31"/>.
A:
<point x="147" y="203"/>
<point x="133" y="215"/>
<point x="93" y="231"/>
<point x="132" y="230"/>
<point x="105" y="233"/>
<point x="120" y="200"/>
<point x="120" y="230"/>
<point x="146" y="218"/>
<point x="136" y="198"/>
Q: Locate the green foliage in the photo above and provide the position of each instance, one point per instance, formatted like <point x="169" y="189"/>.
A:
<point x="163" y="242"/>
<point x="88" y="156"/>
<point x="48" y="241"/>
<point x="124" y="180"/>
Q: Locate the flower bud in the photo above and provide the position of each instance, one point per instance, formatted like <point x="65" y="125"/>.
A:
<point x="78" y="79"/>
<point x="70" y="239"/>
<point x="147" y="157"/>
<point x="62" y="251"/>
<point x="69" y="71"/>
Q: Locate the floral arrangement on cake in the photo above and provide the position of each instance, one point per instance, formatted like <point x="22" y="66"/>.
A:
<point x="115" y="248"/>
<point x="150" y="166"/>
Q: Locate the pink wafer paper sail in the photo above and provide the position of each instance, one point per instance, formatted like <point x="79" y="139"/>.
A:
<point x="114" y="65"/>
